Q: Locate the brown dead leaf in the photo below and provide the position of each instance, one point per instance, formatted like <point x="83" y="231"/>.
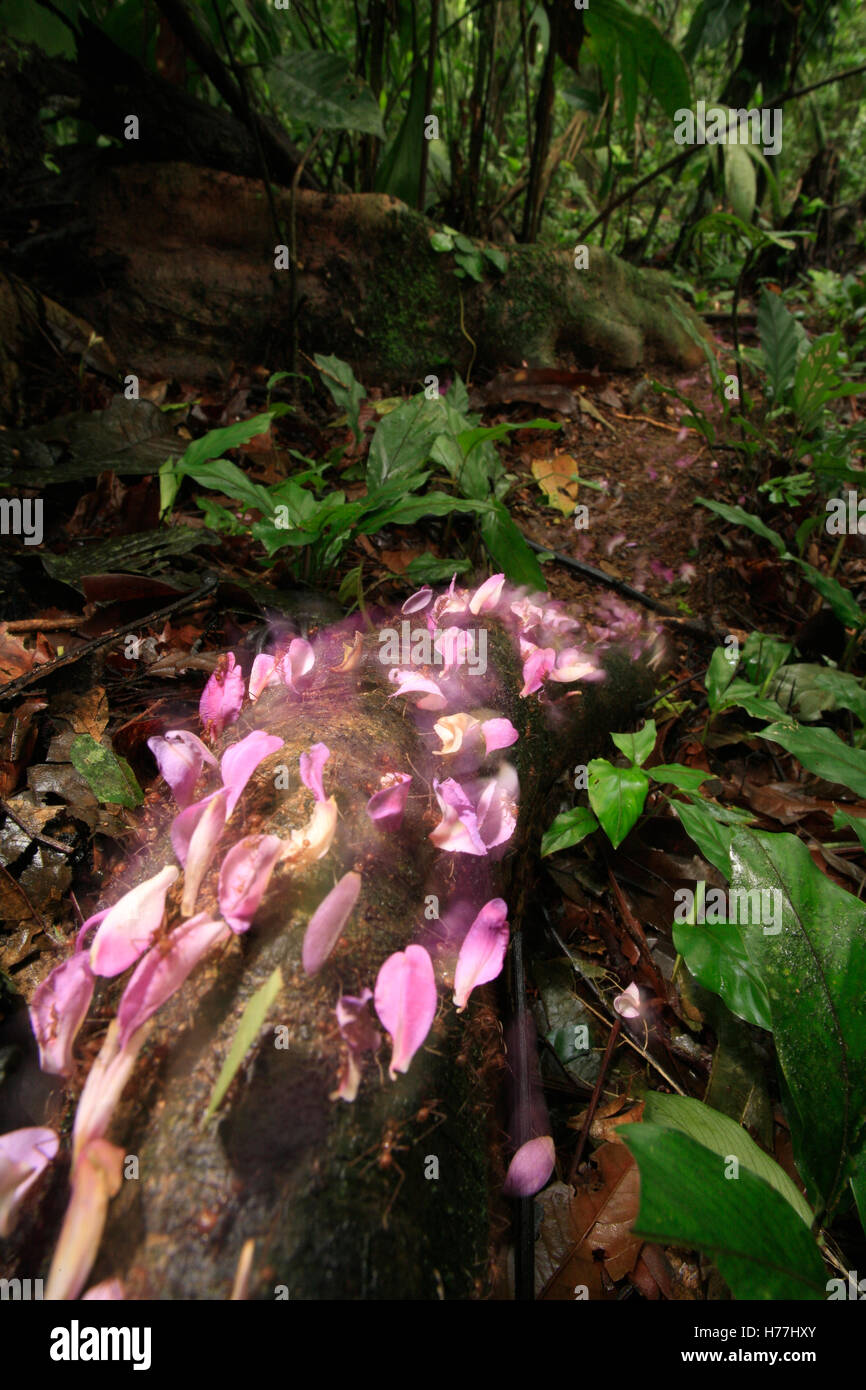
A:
<point x="85" y="711"/>
<point x="590" y="1228"/>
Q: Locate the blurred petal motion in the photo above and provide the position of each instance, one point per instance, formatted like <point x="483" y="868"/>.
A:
<point x="327" y="922"/>
<point x="96" y="1178"/>
<point x="24" y="1154"/>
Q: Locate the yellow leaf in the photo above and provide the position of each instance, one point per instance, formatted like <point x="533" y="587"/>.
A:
<point x="557" y="478"/>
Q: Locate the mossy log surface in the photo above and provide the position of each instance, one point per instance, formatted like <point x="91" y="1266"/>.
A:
<point x="280" y="1162"/>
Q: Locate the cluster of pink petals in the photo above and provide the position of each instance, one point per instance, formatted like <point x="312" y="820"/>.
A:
<point x="24" y="1154"/>
<point x="545" y="663"/>
<point x="477" y="816"/>
<point x="244" y="876"/>
<point x="222" y="697"/>
<point x="294" y="669"/>
<point x="360" y="1035"/>
<point x="413" y="683"/>
<point x="405" y="1000"/>
<point x="164" y="969"/>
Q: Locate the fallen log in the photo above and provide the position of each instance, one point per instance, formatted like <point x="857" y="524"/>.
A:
<point x="313" y="1194"/>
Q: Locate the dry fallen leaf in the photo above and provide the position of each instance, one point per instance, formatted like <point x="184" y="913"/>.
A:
<point x="557" y="478"/>
<point x="590" y="1228"/>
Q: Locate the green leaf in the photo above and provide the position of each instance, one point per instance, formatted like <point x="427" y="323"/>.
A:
<point x="429" y="569"/>
<point x="403" y="440"/>
<point x="763" y="655"/>
<point x="741" y="185"/>
<point x="496" y="258"/>
<point x="441" y="241"/>
<point x="215" y="442"/>
<point x="808" y="691"/>
<point x="685" y="779"/>
<point x="569" y="828"/>
<point x="320" y="89"/>
<point x="346" y="391"/>
<point x="223" y="476"/>
<point x="716" y="955"/>
<point x="822" y="752"/>
<point x="814" y="970"/>
<point x="628" y="43"/>
<point x="508" y="548"/>
<point x="711" y="836"/>
<point x="617" y="795"/>
<point x="846" y="608"/>
<point x="637" y="746"/>
<point x="472" y="262"/>
<point x="720" y="674"/>
<point x="855" y="823"/>
<point x="399" y="170"/>
<point x="252" y="1019"/>
<point x="761" y="1246"/>
<point x="110" y="778"/>
<point x="743" y="518"/>
<point x="145" y="552"/>
<point x="722" y="1135"/>
<point x="780" y="343"/>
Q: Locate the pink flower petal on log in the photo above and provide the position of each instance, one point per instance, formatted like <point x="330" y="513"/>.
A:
<point x="389" y="804"/>
<point x="296" y="666"/>
<point x="360" y="1035"/>
<point x="239" y="762"/>
<point x="538" y="664"/>
<point x="108" y="1290"/>
<point x="572" y="665"/>
<point x="497" y="806"/>
<point x="313" y="842"/>
<point x="58" y="1009"/>
<point x="263" y="673"/>
<point x="104" y="1086"/>
<point x="628" y="1004"/>
<point x="202" y="847"/>
<point x="411" y="683"/>
<point x="327" y="922"/>
<point x="418" y="601"/>
<point x="244" y="875"/>
<point x="456" y="732"/>
<point x="487" y="596"/>
<point x="222" y="697"/>
<point x="483" y="951"/>
<point x="180" y="757"/>
<point x="498" y="733"/>
<point x="458" y="830"/>
<point x="24" y="1154"/>
<point x="405" y="1001"/>
<point x="530" y="1168"/>
<point x="96" y="1179"/>
<point x="311" y="768"/>
<point x="161" y="972"/>
<point x="126" y="929"/>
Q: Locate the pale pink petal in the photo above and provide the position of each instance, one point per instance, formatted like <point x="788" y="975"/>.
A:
<point x="96" y="1179"/>
<point x="530" y="1168"/>
<point x="412" y="683"/>
<point x="110" y="1289"/>
<point x="389" y="804"/>
<point x="453" y="646"/>
<point x="456" y="731"/>
<point x="126" y="929"/>
<point x="244" y="875"/>
<point x="24" y="1154"/>
<point x="104" y="1085"/>
<point x="311" y="768"/>
<point x="487" y="597"/>
<point x="179" y="757"/>
<point x="457" y="831"/>
<point x="498" y="733"/>
<point x="222" y="697"/>
<point x="496" y="809"/>
<point x="202" y="847"/>
<point x="483" y="950"/>
<point x="406" y="1003"/>
<point x="627" y="1005"/>
<point x="313" y="842"/>
<point x="184" y="825"/>
<point x="417" y="601"/>
<point x="263" y="673"/>
<point x="58" y="1009"/>
<point x="538" y="664"/>
<point x="239" y="762"/>
<point x="161" y="972"/>
<point x="296" y="666"/>
<point x="572" y="665"/>
<point x="327" y="922"/>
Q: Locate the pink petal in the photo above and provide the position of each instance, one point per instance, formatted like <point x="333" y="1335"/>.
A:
<point x="126" y="929"/>
<point x="96" y="1179"/>
<point x="311" y="768"/>
<point x="537" y="665"/>
<point x="24" y="1154"/>
<point x="327" y="922"/>
<point x="483" y="950"/>
<point x="58" y="1009"/>
<point x="360" y="1035"/>
<point x="389" y="804"/>
<point x="487" y="597"/>
<point x="161" y="972"/>
<point x="457" y="831"/>
<point x="627" y="1005"/>
<point x="239" y="762"/>
<point x="405" y="1001"/>
<point x="572" y="665"/>
<point x="497" y="806"/>
<point x="530" y="1168"/>
<point x="411" y="683"/>
<point x="179" y="757"/>
<point x="85" y="927"/>
<point x="498" y="733"/>
<point x="313" y="842"/>
<point x="244" y="876"/>
<point x="417" y="601"/>
<point x="297" y="664"/>
<point x="104" y="1086"/>
<point x="456" y="731"/>
<point x="202" y="846"/>
<point x="109" y="1289"/>
<point x="263" y="673"/>
<point x="222" y="697"/>
<point x="453" y="646"/>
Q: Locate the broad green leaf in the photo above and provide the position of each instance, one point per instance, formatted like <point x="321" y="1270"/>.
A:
<point x="761" y="1246"/>
<point x="685" y="779"/>
<point x="629" y="44"/>
<point x="763" y="655"/>
<point x="808" y="691"/>
<point x="215" y="442"/>
<point x="814" y="970"/>
<point x="508" y="548"/>
<point x="496" y="258"/>
<point x="780" y="343"/>
<point x="712" y="24"/>
<point x="743" y="518"/>
<point x="110" y="778"/>
<point x="429" y="569"/>
<point x="399" y="170"/>
<point x="441" y="242"/>
<point x="722" y="1135"/>
<point x="569" y="828"/>
<point x="617" y="795"/>
<point x="711" y="836"/>
<point x="744" y="696"/>
<point x="741" y="183"/>
<point x="223" y="476"/>
<point x="403" y="440"/>
<point x="320" y="89"/>
<point x="637" y="746"/>
<point x="841" y="819"/>
<point x="822" y="752"/>
<point x="716" y="954"/>
<point x="410" y="510"/>
<point x="346" y="390"/>
<point x="720" y="674"/>
<point x="843" y="603"/>
<point x="254" y="1014"/>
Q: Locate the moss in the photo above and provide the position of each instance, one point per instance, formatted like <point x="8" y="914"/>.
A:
<point x="412" y="303"/>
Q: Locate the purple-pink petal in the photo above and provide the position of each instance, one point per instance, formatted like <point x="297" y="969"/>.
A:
<point x="312" y="764"/>
<point x="24" y="1154"/>
<point x="327" y="922"/>
<point x="222" y="697"/>
<point x="483" y="950"/>
<point x="458" y="830"/>
<point x="360" y="1035"/>
<point x="296" y="666"/>
<point x="239" y="762"/>
<point x="487" y="596"/>
<point x="126" y="929"/>
<point x="496" y="810"/>
<point x="412" y="683"/>
<point x="389" y="804"/>
<point x="498" y="733"/>
<point x="244" y="875"/>
<point x="162" y="971"/>
<point x="202" y="847"/>
<point x="418" y="601"/>
<point x="262" y="674"/>
<point x="405" y="1001"/>
<point x="538" y="664"/>
<point x="530" y="1168"/>
<point x="179" y="757"/>
<point x="58" y="1009"/>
